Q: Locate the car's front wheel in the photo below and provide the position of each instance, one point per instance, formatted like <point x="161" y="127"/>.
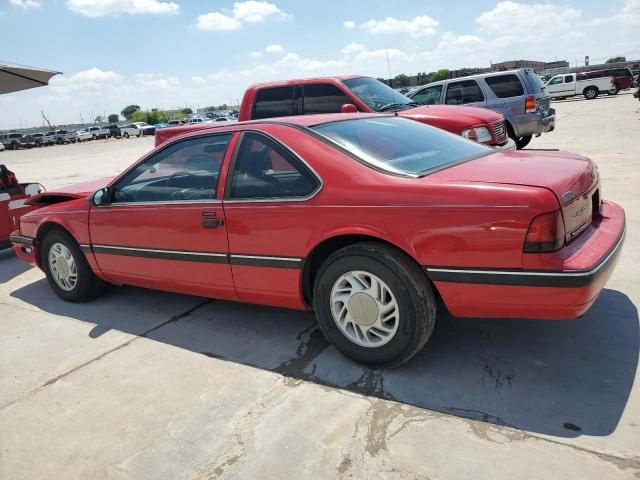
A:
<point x="67" y="269"/>
<point x="374" y="304"/>
<point x="126" y="135"/>
<point x="590" y="93"/>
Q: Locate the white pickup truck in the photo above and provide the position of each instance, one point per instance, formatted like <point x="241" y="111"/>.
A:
<point x="570" y="84"/>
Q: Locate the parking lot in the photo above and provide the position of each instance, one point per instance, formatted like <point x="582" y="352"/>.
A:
<point x="143" y="384"/>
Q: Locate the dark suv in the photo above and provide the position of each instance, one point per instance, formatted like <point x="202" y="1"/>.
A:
<point x="622" y="77"/>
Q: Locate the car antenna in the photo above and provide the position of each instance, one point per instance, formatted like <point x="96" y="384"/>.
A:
<point x="395" y="113"/>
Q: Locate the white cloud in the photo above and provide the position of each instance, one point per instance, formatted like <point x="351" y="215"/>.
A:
<point x="250" y="11"/>
<point x="349" y="24"/>
<point x="274" y="49"/>
<point x="628" y="16"/>
<point x="416" y="27"/>
<point x="255" y="54"/>
<point x="217" y="22"/>
<point x="26" y="3"/>
<point x="100" y="8"/>
<point x="518" y="18"/>
<point x="157" y="81"/>
<point x="352" y="48"/>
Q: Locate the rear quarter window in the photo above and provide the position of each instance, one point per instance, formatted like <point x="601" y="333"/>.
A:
<point x="505" y="86"/>
<point x="273" y="102"/>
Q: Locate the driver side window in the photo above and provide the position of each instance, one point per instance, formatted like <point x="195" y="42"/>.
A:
<point x="184" y="171"/>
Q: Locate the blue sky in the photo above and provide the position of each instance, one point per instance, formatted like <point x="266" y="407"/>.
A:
<point x="160" y="53"/>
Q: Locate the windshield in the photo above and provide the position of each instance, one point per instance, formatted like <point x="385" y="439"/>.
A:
<point x="377" y="95"/>
<point x="401" y="146"/>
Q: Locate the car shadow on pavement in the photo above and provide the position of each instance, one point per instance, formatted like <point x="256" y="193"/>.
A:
<point x="580" y="98"/>
<point x="564" y="378"/>
<point x="11" y="266"/>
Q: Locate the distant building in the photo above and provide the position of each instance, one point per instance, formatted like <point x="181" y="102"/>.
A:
<point x="513" y="64"/>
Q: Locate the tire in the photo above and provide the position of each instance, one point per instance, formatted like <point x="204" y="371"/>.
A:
<point x="94" y="137"/>
<point x="522" y="142"/>
<point x="590" y="93"/>
<point x="126" y="135"/>
<point x="613" y="91"/>
<point x="408" y="292"/>
<point x="86" y="286"/>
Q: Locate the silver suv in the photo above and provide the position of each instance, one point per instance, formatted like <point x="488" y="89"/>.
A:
<point x="519" y="95"/>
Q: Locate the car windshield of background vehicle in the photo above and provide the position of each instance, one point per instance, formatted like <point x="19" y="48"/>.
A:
<point x="401" y="146"/>
<point x="377" y="95"/>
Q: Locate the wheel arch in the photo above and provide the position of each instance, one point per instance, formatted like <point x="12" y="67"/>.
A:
<point x="323" y="249"/>
<point x="43" y="229"/>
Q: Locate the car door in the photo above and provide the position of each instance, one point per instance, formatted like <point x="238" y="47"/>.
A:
<point x="569" y="85"/>
<point x="267" y="189"/>
<point x="555" y="86"/>
<point x="164" y="226"/>
<point x="465" y="92"/>
<point x="431" y="95"/>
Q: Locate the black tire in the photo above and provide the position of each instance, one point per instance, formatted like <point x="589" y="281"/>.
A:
<point x="590" y="93"/>
<point x="94" y="137"/>
<point x="126" y="135"/>
<point x="87" y="285"/>
<point x="613" y="91"/>
<point x="408" y="284"/>
<point x="522" y="142"/>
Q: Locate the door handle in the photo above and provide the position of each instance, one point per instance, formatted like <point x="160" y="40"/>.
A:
<point x="211" y="222"/>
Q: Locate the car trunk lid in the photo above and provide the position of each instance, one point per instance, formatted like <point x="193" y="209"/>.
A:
<point x="572" y="178"/>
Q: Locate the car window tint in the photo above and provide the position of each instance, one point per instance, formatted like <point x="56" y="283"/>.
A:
<point x="568" y="79"/>
<point x="466" y="91"/>
<point x="429" y="95"/>
<point x="505" y="86"/>
<point x="187" y="170"/>
<point x="555" y="81"/>
<point x="273" y="102"/>
<point x="264" y="169"/>
<point x="323" y="98"/>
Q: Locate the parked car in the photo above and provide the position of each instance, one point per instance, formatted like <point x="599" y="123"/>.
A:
<point x="519" y="95"/>
<point x="130" y="130"/>
<point x="13" y="195"/>
<point x="41" y="139"/>
<point x="366" y="94"/>
<point x="160" y="125"/>
<point x="83" y="135"/>
<point x="1" y="147"/>
<point x="11" y="140"/>
<point x="48" y="139"/>
<point x="568" y="85"/>
<point x="195" y="120"/>
<point x="62" y="136"/>
<point x="145" y="128"/>
<point x="175" y="123"/>
<point x="98" y="133"/>
<point x="28" y="141"/>
<point x="365" y="218"/>
<point x="114" y="131"/>
<point x="622" y="78"/>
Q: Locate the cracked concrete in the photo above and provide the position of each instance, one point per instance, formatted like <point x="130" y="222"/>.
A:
<point x="143" y="384"/>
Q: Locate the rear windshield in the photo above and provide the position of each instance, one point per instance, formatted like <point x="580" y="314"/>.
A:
<point x="401" y="146"/>
<point x="505" y="86"/>
<point x="534" y="83"/>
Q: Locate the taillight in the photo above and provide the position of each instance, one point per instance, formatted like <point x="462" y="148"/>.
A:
<point x="545" y="234"/>
<point x="530" y="104"/>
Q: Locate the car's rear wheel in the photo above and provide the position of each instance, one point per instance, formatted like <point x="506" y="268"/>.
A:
<point x="67" y="269"/>
<point x="126" y="135"/>
<point x="374" y="304"/>
<point x="614" y="90"/>
<point x="522" y="142"/>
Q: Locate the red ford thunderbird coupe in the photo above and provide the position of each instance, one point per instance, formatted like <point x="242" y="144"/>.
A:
<point x="365" y="218"/>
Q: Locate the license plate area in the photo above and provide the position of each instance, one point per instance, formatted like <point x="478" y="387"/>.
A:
<point x="578" y="214"/>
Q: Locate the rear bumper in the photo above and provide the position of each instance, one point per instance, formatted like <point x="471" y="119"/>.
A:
<point x="547" y="294"/>
<point x="534" y="123"/>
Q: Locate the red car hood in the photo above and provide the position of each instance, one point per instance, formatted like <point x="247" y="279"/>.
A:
<point x="463" y="116"/>
<point x="78" y="190"/>
<point x="560" y="172"/>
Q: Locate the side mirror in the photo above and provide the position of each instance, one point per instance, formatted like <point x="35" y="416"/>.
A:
<point x="101" y="197"/>
<point x="348" y="108"/>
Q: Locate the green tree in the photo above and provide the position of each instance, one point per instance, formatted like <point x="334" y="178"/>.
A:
<point x="441" y="74"/>
<point x="113" y="118"/>
<point x="98" y="119"/>
<point x="401" y="81"/>
<point x="223" y="107"/>
<point x="616" y="60"/>
<point x="186" y="111"/>
<point x="127" y="112"/>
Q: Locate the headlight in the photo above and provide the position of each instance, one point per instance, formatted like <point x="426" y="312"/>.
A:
<point x="477" y="134"/>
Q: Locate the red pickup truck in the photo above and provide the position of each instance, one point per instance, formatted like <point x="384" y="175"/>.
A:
<point x="350" y="94"/>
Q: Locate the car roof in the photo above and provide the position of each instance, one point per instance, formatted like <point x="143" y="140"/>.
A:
<point x="296" y="81"/>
